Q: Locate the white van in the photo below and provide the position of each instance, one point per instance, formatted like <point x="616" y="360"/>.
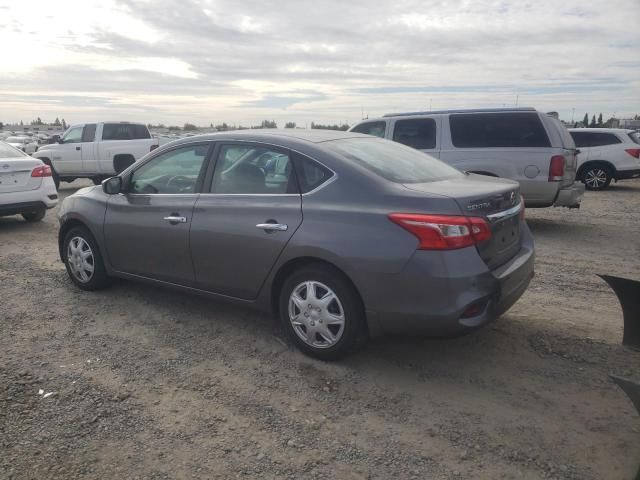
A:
<point x="522" y="144"/>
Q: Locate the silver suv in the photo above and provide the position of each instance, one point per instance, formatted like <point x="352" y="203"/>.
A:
<point x="522" y="144"/>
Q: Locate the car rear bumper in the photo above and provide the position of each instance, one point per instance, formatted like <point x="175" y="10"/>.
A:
<point x="436" y="289"/>
<point x="627" y="174"/>
<point x="570" y="196"/>
<point x="13" y="203"/>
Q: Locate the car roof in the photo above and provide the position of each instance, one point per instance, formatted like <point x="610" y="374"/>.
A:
<point x="465" y="110"/>
<point x="603" y="130"/>
<point x="267" y="135"/>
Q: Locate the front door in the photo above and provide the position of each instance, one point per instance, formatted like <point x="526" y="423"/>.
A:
<point x="67" y="157"/>
<point x="147" y="228"/>
<point x="242" y="225"/>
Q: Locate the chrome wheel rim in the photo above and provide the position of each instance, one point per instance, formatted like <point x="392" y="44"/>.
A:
<point x="80" y="259"/>
<point x="596" y="178"/>
<point x="316" y="314"/>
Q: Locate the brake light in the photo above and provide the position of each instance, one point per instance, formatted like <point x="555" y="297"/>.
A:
<point x="153" y="147"/>
<point x="443" y="232"/>
<point x="634" y="152"/>
<point x="41" y="171"/>
<point x="556" y="168"/>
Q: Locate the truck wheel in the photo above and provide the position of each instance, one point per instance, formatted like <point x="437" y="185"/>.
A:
<point x="122" y="162"/>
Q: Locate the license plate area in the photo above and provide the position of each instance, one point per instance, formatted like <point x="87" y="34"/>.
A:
<point x="505" y="233"/>
<point x="9" y="179"/>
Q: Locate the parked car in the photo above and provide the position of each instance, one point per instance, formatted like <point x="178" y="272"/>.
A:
<point x="606" y="154"/>
<point x="345" y="236"/>
<point x="96" y="150"/>
<point x="522" y="144"/>
<point x="23" y="143"/>
<point x="26" y="186"/>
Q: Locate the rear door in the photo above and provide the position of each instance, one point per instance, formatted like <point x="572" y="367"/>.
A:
<point x="147" y="228"/>
<point x="241" y="223"/>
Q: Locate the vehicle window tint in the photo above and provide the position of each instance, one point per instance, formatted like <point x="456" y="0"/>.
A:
<point x="594" y="139"/>
<point x="140" y="132"/>
<point x="73" y="135"/>
<point x="582" y="139"/>
<point x="89" y="132"/>
<point x="418" y="133"/>
<point x="393" y="161"/>
<point x="377" y="129"/>
<point x="497" y="130"/>
<point x="310" y="174"/>
<point x="124" y="131"/>
<point x="175" y="171"/>
<point x="253" y="169"/>
<point x="635" y="137"/>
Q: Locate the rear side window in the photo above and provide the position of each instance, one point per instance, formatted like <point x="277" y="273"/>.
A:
<point x="594" y="139"/>
<point x="124" y="131"/>
<point x="635" y="137"/>
<point x="417" y="133"/>
<point x="310" y="174"/>
<point x="377" y="129"/>
<point x="392" y="161"/>
<point x="489" y="130"/>
<point x="89" y="132"/>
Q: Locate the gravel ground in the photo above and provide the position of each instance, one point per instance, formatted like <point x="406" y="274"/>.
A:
<point x="150" y="383"/>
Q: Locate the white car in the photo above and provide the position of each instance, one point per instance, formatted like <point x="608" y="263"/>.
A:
<point x="24" y="143"/>
<point x="26" y="185"/>
<point x="606" y="154"/>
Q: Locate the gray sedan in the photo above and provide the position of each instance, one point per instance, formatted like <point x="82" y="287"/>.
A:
<point x="343" y="236"/>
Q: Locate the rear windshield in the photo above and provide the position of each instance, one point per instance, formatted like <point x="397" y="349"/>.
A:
<point x="392" y="161"/>
<point x="7" y="151"/>
<point x="487" y="130"/>
<point x="635" y="137"/>
<point x="124" y="131"/>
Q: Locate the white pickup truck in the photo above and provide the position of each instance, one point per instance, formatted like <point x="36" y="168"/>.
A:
<point x="96" y="150"/>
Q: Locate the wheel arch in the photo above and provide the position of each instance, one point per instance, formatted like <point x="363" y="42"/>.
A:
<point x="292" y="265"/>
<point x="591" y="163"/>
<point x="122" y="157"/>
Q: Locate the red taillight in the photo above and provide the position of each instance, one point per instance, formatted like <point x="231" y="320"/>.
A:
<point x="634" y="152"/>
<point x="443" y="232"/>
<point x="41" y="171"/>
<point x="153" y="147"/>
<point x="556" y="168"/>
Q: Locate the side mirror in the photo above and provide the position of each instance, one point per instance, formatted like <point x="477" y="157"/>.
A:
<point x="112" y="186"/>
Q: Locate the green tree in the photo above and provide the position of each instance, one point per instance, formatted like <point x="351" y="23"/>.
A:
<point x="189" y="127"/>
<point x="593" y="123"/>
<point x="64" y="124"/>
<point x="600" y="124"/>
<point x="290" y="125"/>
<point x="174" y="128"/>
<point x="268" y="124"/>
<point x="585" y="120"/>
<point x="1" y="125"/>
<point x="343" y="127"/>
<point x="21" y="123"/>
<point x="57" y="122"/>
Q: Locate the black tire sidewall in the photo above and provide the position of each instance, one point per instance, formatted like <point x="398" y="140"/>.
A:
<point x="99" y="279"/>
<point x="34" y="216"/>
<point x="351" y="304"/>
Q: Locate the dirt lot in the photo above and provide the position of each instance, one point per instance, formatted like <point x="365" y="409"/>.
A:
<point x="149" y="383"/>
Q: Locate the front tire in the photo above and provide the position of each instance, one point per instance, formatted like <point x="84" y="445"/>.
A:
<point x="321" y="312"/>
<point x="83" y="260"/>
<point x="597" y="177"/>
<point x="34" y="216"/>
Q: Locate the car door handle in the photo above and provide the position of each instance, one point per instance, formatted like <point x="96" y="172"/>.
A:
<point x="175" y="219"/>
<point x="272" y="227"/>
<point x="77" y="148"/>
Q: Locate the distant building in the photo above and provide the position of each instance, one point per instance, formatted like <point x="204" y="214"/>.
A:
<point x="629" y="123"/>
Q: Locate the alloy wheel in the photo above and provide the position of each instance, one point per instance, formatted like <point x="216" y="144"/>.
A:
<point x="80" y="259"/>
<point x="316" y="314"/>
<point x="596" y="178"/>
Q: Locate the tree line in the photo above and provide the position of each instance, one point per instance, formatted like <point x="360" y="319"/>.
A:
<point x="224" y="126"/>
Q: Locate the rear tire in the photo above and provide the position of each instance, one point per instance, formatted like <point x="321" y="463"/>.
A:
<point x="321" y="312"/>
<point x="34" y="216"/>
<point x="597" y="177"/>
<point x="83" y="260"/>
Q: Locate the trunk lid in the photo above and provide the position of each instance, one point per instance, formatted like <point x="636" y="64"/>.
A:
<point x="15" y="174"/>
<point x="496" y="200"/>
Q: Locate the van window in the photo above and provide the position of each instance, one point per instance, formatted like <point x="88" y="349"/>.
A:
<point x="594" y="139"/>
<point x="418" y="133"/>
<point x="486" y="130"/>
<point x="377" y="129"/>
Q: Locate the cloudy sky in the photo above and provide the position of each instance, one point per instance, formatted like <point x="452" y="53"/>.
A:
<point x="203" y="61"/>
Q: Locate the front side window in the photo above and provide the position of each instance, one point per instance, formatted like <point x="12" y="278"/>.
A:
<point x="489" y="130"/>
<point x="253" y="169"/>
<point x="73" y="135"/>
<point x="417" y="133"/>
<point x="377" y="129"/>
<point x="392" y="161"/>
<point x="173" y="172"/>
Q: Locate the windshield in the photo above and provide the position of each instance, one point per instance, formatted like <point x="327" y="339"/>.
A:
<point x="7" y="151"/>
<point x="16" y="140"/>
<point x="392" y="161"/>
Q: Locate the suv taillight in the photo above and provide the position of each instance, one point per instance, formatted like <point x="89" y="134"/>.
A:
<point x="41" y="171"/>
<point x="556" y="168"/>
<point x="443" y="232"/>
<point x="634" y="152"/>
